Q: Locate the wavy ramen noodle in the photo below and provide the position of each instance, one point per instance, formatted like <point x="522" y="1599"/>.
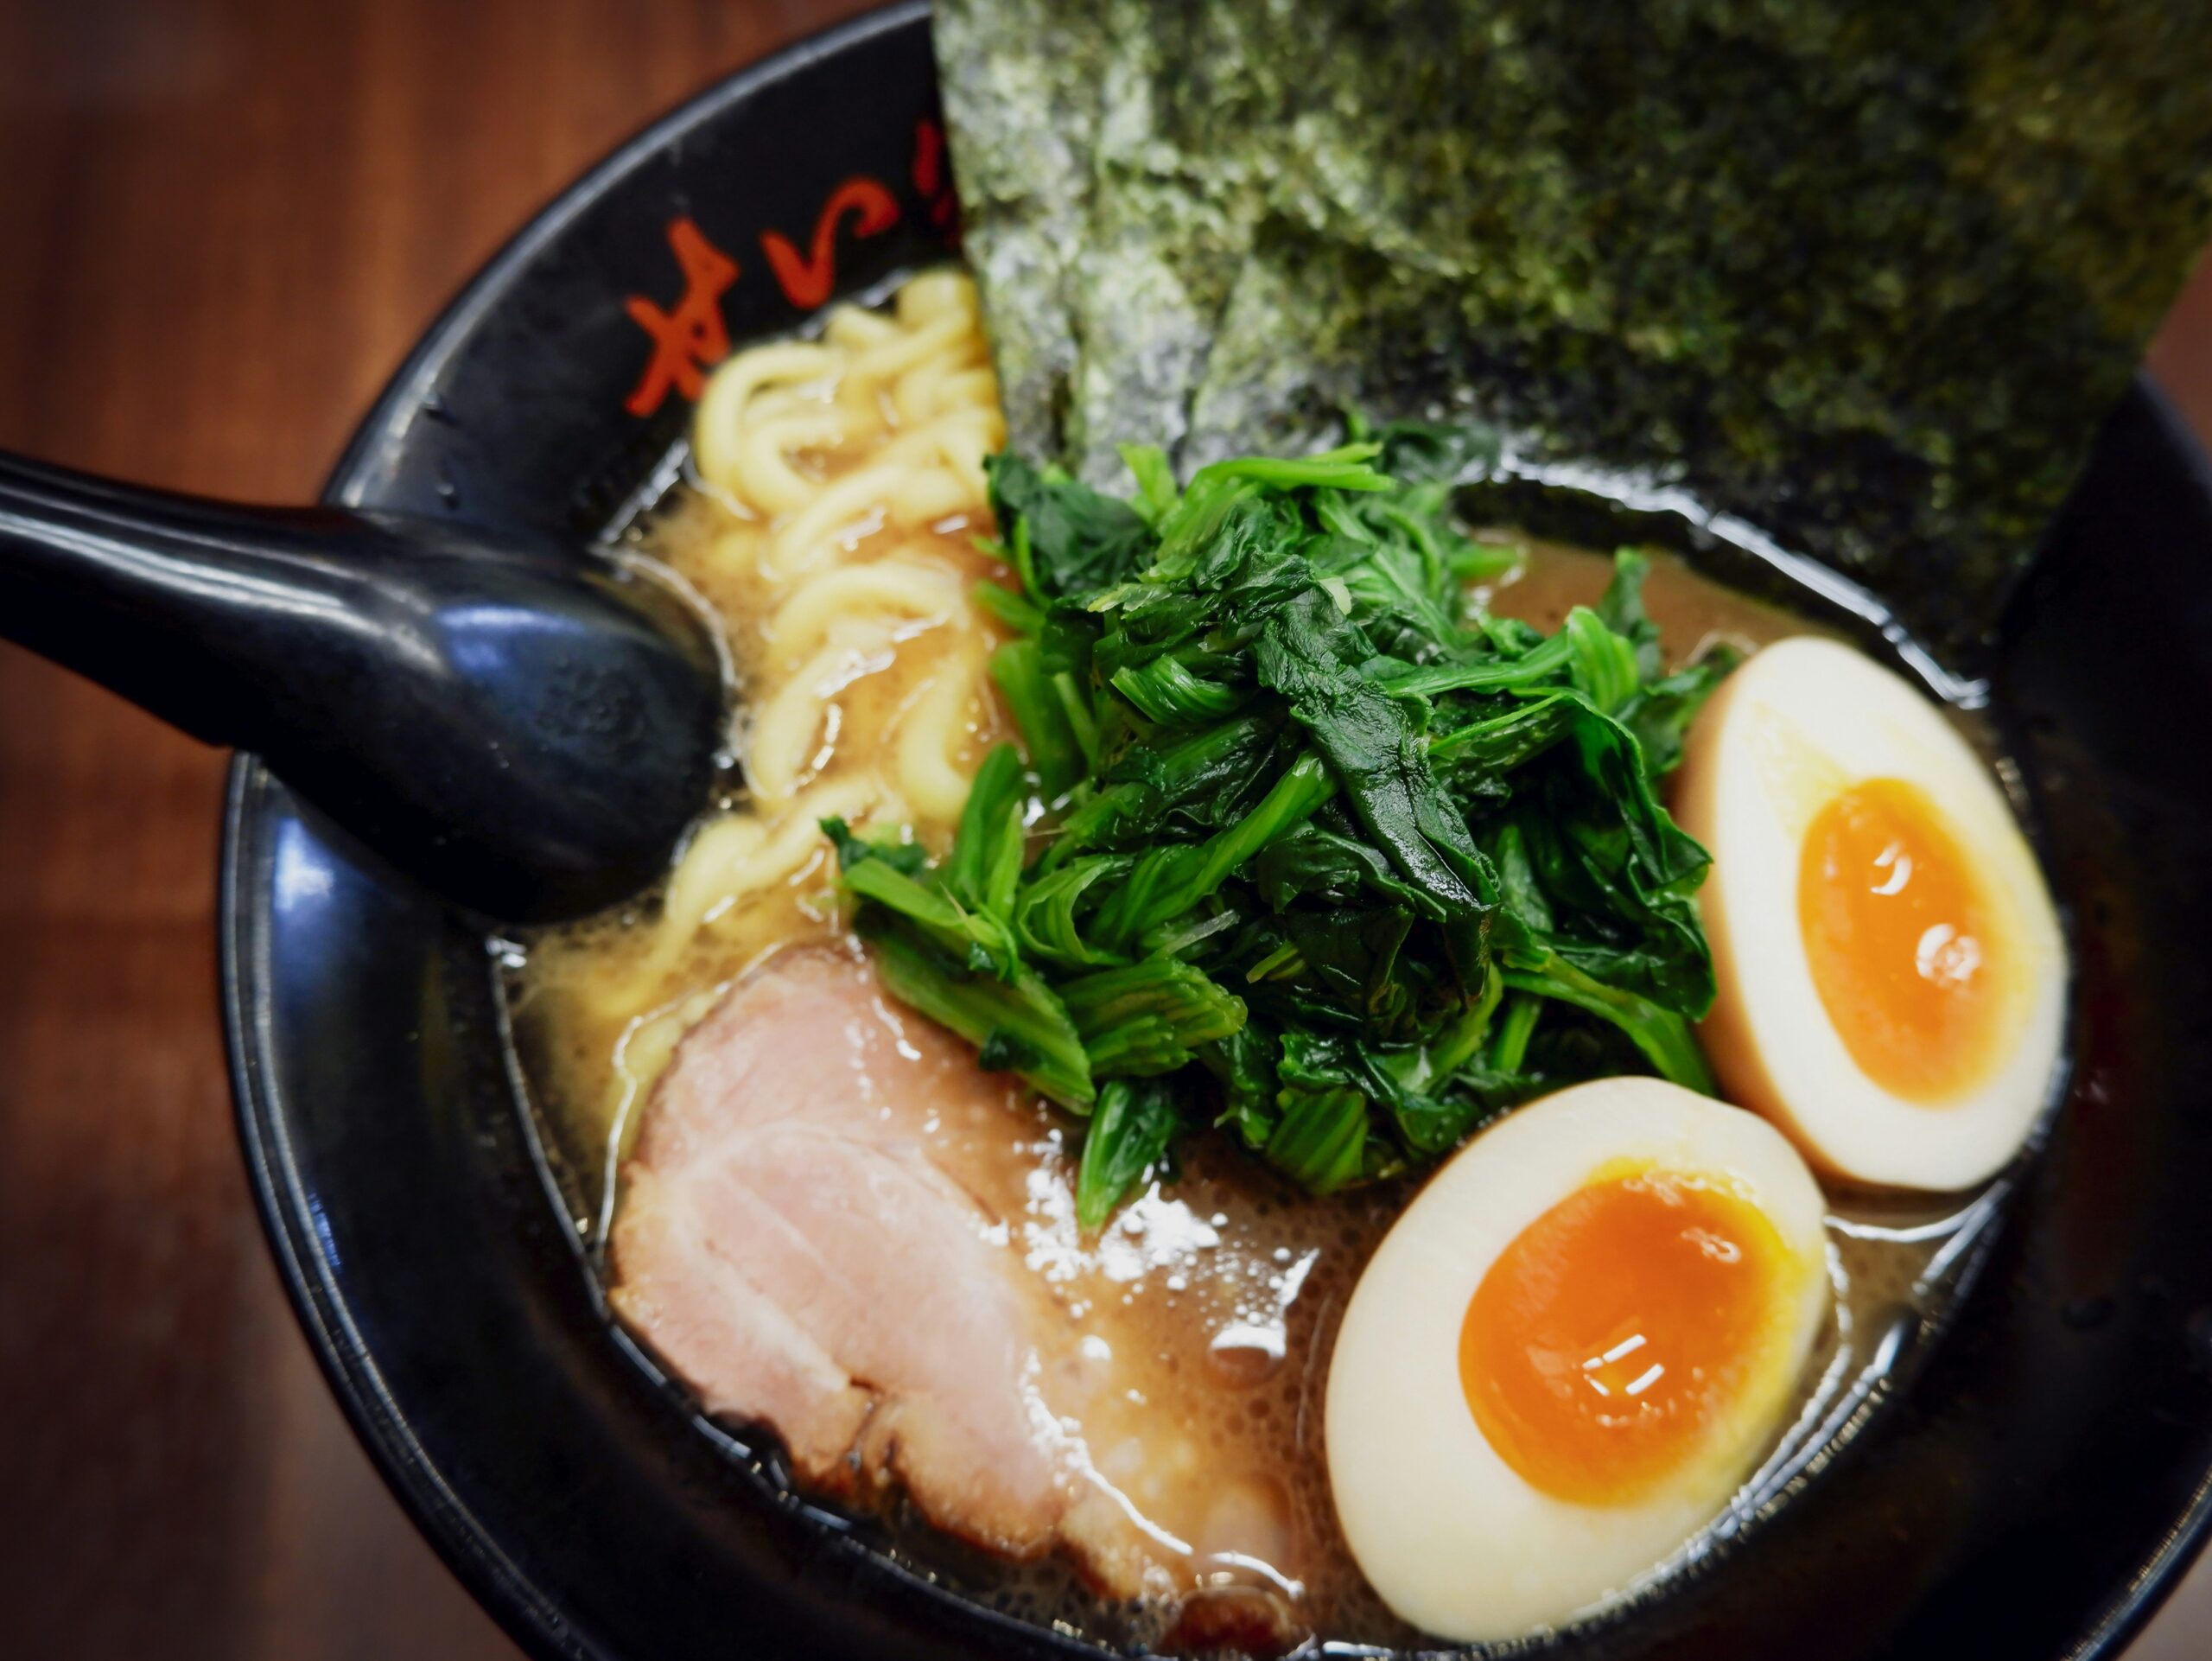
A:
<point x="840" y="493"/>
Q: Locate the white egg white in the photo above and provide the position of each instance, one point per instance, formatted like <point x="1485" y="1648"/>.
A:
<point x="1454" y="1539"/>
<point x="1801" y="721"/>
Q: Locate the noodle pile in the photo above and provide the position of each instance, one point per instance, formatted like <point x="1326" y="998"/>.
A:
<point x="840" y="491"/>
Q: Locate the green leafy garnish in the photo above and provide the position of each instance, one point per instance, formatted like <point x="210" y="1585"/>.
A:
<point x="1304" y="848"/>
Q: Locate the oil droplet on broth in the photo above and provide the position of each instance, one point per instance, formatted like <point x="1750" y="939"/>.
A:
<point x="1243" y="1355"/>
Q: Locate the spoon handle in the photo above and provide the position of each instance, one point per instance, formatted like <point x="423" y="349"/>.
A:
<point x="173" y="602"/>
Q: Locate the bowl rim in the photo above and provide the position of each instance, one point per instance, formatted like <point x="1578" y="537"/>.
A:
<point x="526" y="1611"/>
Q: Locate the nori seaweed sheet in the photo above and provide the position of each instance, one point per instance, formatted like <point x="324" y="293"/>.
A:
<point x="1867" y="274"/>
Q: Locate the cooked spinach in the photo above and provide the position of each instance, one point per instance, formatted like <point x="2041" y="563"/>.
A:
<point x="1305" y="848"/>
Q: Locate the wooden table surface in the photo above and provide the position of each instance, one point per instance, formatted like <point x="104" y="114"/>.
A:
<point x="221" y="224"/>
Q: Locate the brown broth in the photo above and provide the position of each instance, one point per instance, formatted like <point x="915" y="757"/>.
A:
<point x="1218" y="1297"/>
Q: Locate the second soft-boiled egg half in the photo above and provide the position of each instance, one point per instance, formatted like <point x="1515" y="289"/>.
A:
<point x="1569" y="1351"/>
<point x="1891" y="971"/>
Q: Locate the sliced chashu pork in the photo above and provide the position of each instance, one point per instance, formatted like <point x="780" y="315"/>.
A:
<point x="816" y="1236"/>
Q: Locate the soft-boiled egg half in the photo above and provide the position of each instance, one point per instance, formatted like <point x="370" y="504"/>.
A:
<point x="1569" y="1351"/>
<point x="1891" y="976"/>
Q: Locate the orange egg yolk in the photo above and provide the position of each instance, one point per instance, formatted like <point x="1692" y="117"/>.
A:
<point x="1900" y="935"/>
<point x="1618" y="1330"/>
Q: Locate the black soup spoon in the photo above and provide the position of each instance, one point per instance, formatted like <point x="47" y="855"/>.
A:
<point x="525" y="727"/>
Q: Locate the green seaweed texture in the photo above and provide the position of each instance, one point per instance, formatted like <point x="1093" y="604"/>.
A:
<point x="1867" y="275"/>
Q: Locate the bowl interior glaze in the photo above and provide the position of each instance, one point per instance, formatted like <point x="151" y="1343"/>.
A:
<point x="2044" y="1478"/>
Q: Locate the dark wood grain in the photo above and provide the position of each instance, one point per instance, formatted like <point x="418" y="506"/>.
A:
<point x="221" y="223"/>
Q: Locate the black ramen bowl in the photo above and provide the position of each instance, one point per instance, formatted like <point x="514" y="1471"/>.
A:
<point x="2031" y="1494"/>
